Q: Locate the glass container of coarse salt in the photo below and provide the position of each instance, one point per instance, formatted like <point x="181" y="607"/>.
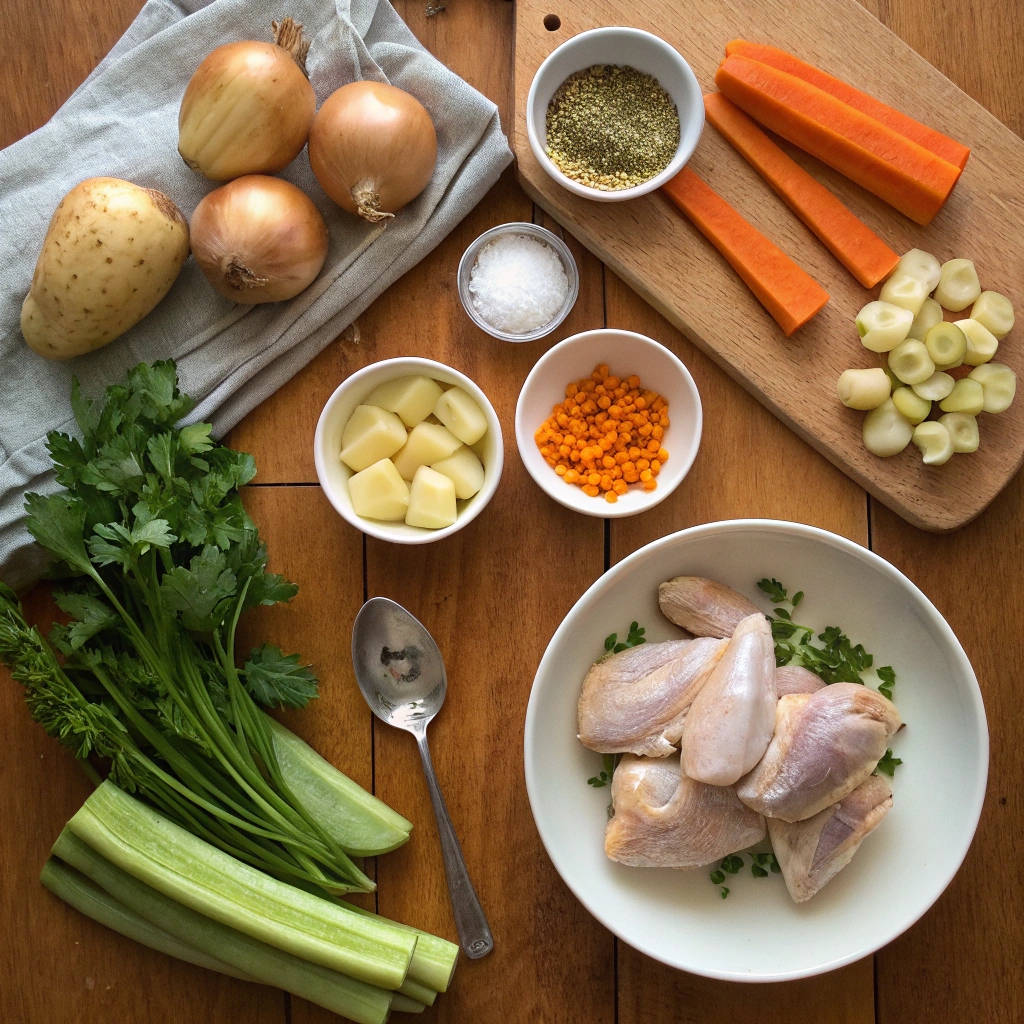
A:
<point x="518" y="281"/>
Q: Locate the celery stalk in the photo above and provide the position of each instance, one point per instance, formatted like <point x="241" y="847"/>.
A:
<point x="208" y="939"/>
<point x="357" y="821"/>
<point x="175" y="862"/>
<point x="414" y="990"/>
<point x="87" y="897"/>
<point x="404" y="1004"/>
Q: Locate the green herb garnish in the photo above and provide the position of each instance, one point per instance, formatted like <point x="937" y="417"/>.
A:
<point x="888" y="681"/>
<point x="605" y="776"/>
<point x="733" y="863"/>
<point x="718" y="877"/>
<point x="762" y="863"/>
<point x="634" y="638"/>
<point x="888" y="764"/>
<point x="725" y="892"/>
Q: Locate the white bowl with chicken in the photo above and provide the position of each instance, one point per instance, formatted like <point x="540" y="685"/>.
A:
<point x="720" y="754"/>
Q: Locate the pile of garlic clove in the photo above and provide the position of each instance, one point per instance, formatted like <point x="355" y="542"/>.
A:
<point x="924" y="356"/>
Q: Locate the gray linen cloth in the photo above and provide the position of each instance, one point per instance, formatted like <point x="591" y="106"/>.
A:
<point x="123" y="123"/>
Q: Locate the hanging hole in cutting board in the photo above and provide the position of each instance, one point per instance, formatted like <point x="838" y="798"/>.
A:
<point x="552" y="22"/>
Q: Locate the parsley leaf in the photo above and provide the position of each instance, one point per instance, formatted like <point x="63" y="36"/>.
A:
<point x="718" y="877"/>
<point x="888" y="764"/>
<point x="278" y="680"/>
<point x="725" y="892"/>
<point x="605" y="777"/>
<point x="774" y="589"/>
<point x="887" y="679"/>
<point x="634" y="638"/>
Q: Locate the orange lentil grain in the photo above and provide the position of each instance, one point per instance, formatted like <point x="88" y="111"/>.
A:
<point x="611" y="497"/>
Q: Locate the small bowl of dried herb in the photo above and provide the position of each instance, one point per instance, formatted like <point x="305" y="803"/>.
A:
<point x="613" y="113"/>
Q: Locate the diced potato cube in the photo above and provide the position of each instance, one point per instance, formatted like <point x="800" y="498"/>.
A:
<point x="994" y="312"/>
<point x="963" y="431"/>
<point x="465" y="470"/>
<point x="922" y="265"/>
<point x="946" y="344"/>
<point x="882" y="326"/>
<point x="912" y="405"/>
<point x="910" y="362"/>
<point x="412" y="398"/>
<point x="379" y="492"/>
<point x="958" y="285"/>
<point x="933" y="439"/>
<point x="370" y="435"/>
<point x="967" y="396"/>
<point x="998" y="385"/>
<point x="428" y="443"/>
<point x="935" y="388"/>
<point x="461" y="415"/>
<point x="886" y="430"/>
<point x="981" y="342"/>
<point x="431" y="500"/>
<point x="905" y="290"/>
<point x="930" y="315"/>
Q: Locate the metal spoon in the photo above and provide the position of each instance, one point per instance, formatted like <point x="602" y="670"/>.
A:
<point x="401" y="674"/>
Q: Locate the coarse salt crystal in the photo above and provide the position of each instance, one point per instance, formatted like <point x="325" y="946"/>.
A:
<point x="518" y="284"/>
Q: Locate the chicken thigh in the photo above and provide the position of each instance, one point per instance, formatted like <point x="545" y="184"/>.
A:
<point x="636" y="700"/>
<point x="729" y="725"/>
<point x="703" y="607"/>
<point x="664" y="819"/>
<point x="813" y="851"/>
<point x="826" y="744"/>
<point x="796" y="679"/>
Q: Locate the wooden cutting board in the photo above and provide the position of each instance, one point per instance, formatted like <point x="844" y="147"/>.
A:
<point x="651" y="246"/>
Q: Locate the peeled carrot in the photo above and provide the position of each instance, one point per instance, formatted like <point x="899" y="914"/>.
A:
<point x="937" y="143"/>
<point x="907" y="176"/>
<point x="790" y="294"/>
<point x="851" y="241"/>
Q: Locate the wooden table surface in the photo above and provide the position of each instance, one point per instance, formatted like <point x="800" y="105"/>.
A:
<point x="492" y="595"/>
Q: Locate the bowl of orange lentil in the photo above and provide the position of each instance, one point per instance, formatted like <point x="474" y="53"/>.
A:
<point x="608" y="423"/>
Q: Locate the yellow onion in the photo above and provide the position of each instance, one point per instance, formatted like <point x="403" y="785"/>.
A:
<point x="259" y="239"/>
<point x="373" y="148"/>
<point x="248" y="107"/>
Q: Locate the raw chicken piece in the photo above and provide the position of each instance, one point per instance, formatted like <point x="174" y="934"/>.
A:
<point x="663" y="819"/>
<point x="825" y="745"/>
<point x="796" y="679"/>
<point x="635" y="700"/>
<point x="812" y="852"/>
<point x="730" y="723"/>
<point x="703" y="607"/>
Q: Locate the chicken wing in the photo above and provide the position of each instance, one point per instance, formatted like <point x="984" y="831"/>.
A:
<point x="703" y="607"/>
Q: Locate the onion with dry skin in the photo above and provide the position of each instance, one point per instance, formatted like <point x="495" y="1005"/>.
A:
<point x="248" y="107"/>
<point x="259" y="239"/>
<point x="373" y="148"/>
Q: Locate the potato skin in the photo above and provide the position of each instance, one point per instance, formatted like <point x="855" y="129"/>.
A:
<point x="111" y="253"/>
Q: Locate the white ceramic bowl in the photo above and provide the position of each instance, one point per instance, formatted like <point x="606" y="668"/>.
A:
<point x="625" y="353"/>
<point x="758" y="933"/>
<point x="616" y="45"/>
<point x="334" y="474"/>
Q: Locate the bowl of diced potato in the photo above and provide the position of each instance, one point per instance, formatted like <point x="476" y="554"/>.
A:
<point x="408" y="450"/>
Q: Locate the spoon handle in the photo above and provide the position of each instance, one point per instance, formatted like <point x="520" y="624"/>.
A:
<point x="474" y="932"/>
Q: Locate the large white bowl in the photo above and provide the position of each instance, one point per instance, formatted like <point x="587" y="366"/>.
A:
<point x="334" y="474"/>
<point x="758" y="933"/>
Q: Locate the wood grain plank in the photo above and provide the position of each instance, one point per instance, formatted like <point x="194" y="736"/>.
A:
<point x="657" y="252"/>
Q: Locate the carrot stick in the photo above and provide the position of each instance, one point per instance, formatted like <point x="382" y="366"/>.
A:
<point x="790" y="294"/>
<point x="851" y="241"/>
<point x="907" y="176"/>
<point x="939" y="144"/>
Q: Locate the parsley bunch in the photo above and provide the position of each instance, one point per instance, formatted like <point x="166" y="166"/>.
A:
<point x="161" y="559"/>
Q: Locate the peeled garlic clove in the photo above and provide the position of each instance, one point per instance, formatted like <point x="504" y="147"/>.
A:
<point x="998" y="385"/>
<point x="981" y="342"/>
<point x="967" y="396"/>
<point x="882" y="326"/>
<point x="911" y="404"/>
<point x="963" y="431"/>
<point x="946" y="345"/>
<point x="935" y="388"/>
<point x="863" y="389"/>
<point x="926" y="319"/>
<point x="994" y="312"/>
<point x="922" y="265"/>
<point x="910" y="362"/>
<point x="886" y="430"/>
<point x="934" y="441"/>
<point x="905" y="290"/>
<point x="958" y="285"/>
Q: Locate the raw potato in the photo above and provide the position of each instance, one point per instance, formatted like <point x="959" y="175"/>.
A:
<point x="379" y="492"/>
<point x="461" y="415"/>
<point x="934" y="442"/>
<point x="963" y="431"/>
<point x="886" y="431"/>
<point x="431" y="500"/>
<point x="922" y="265"/>
<point x="935" y="388"/>
<point x="412" y="398"/>
<point x="946" y="345"/>
<point x="930" y="315"/>
<point x="967" y="396"/>
<point x="994" y="312"/>
<point x="464" y="470"/>
<point x="371" y="434"/>
<point x="882" y="326"/>
<point x="111" y="253"/>
<point x="911" y="405"/>
<point x="998" y="385"/>
<point x="428" y="443"/>
<point x="981" y="342"/>
<point x="911" y="363"/>
<point x="958" y="285"/>
<point x="906" y="290"/>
